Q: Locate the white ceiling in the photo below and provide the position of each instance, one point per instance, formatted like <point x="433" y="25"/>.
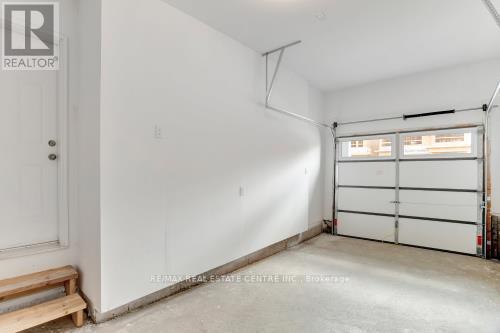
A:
<point x="357" y="41"/>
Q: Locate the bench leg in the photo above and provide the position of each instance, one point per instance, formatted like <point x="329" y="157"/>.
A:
<point x="70" y="287"/>
<point x="78" y="318"/>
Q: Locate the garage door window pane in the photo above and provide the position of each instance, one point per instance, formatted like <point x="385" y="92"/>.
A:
<point x="444" y="143"/>
<point x="367" y="148"/>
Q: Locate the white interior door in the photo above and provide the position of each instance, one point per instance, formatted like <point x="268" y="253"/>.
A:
<point x="28" y="178"/>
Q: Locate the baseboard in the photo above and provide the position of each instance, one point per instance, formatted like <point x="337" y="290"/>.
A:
<point x="313" y="231"/>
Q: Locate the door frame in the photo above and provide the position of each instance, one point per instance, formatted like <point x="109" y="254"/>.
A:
<point x="63" y="137"/>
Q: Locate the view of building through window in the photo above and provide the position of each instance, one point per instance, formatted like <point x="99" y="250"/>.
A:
<point x="414" y="144"/>
<point x="449" y="143"/>
<point x="367" y="148"/>
<point x="450" y="138"/>
<point x="357" y="144"/>
<point x="413" y="140"/>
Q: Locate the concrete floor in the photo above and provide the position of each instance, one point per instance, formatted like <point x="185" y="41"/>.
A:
<point x="388" y="289"/>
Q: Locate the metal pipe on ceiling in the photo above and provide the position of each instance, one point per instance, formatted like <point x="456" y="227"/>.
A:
<point x="270" y="91"/>
<point x="493" y="11"/>
<point x="298" y="116"/>
<point x="281" y="48"/>
<point x="270" y="86"/>
<point x="427" y="114"/>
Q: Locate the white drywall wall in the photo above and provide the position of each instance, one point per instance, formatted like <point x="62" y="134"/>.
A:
<point x="66" y="256"/>
<point x="453" y="88"/>
<point x="88" y="167"/>
<point x="170" y="198"/>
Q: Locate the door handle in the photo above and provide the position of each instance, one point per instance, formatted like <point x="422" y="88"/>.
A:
<point x="52" y="157"/>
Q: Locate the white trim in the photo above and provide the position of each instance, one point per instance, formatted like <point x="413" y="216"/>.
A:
<point x="28" y="250"/>
<point x="63" y="145"/>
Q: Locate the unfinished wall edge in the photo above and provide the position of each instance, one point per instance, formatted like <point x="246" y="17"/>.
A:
<point x="100" y="317"/>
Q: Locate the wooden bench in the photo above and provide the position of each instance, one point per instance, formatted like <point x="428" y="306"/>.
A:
<point x="71" y="304"/>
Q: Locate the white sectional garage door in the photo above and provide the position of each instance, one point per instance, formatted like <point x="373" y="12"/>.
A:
<point x="415" y="188"/>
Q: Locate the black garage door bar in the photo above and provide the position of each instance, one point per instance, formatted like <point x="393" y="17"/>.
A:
<point x="439" y="189"/>
<point x="440" y="159"/>
<point x="408" y="217"/>
<point x="365" y="213"/>
<point x="366" y="161"/>
<point x="411" y="188"/>
<point x="414" y="160"/>
<point x="436" y="220"/>
<point x="368" y="187"/>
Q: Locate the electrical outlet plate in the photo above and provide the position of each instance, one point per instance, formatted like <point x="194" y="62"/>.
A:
<point x="157" y="133"/>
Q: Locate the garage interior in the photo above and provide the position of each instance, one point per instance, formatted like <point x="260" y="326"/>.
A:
<point x="252" y="166"/>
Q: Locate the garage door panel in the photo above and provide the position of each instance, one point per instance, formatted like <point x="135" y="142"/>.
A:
<point x="366" y="200"/>
<point x="431" y="179"/>
<point x="367" y="174"/>
<point x="438" y="235"/>
<point x="461" y="206"/>
<point x="366" y="226"/>
<point x="453" y="174"/>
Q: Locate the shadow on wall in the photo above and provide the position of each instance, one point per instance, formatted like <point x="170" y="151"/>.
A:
<point x="273" y="204"/>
